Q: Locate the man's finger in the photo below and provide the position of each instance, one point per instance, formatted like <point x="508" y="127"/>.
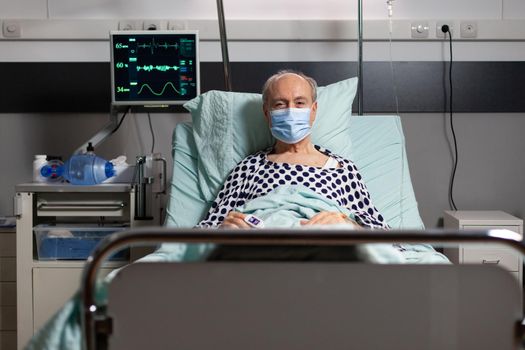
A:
<point x="318" y="217"/>
<point x="240" y="223"/>
<point x="236" y="214"/>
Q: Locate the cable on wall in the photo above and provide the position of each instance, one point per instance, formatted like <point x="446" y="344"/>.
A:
<point x="445" y="29"/>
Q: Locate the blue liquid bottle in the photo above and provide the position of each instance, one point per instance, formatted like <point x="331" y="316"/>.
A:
<point x="87" y="169"/>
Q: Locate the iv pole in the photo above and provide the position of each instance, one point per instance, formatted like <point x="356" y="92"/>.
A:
<point x="224" y="46"/>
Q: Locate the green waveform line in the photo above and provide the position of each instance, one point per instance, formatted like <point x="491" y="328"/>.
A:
<point x="160" y="68"/>
<point x="153" y="45"/>
<point x="161" y="92"/>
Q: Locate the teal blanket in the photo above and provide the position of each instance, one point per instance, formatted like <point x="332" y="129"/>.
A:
<point x="284" y="207"/>
<point x="287" y="205"/>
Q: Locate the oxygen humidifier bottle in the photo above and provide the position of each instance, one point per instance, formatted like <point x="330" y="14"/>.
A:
<point x="87" y="169"/>
<point x="38" y="163"/>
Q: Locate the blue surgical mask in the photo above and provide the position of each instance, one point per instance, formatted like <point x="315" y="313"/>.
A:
<point x="290" y="125"/>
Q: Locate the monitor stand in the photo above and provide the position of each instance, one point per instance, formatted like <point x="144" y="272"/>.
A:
<point x="102" y="134"/>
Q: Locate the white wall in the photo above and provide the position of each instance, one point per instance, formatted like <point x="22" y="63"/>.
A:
<point x="22" y="135"/>
<point x="262" y="9"/>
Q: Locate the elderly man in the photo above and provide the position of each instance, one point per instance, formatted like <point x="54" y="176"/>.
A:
<point x="290" y="106"/>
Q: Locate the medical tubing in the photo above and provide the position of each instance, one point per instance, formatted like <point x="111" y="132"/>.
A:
<point x="394" y="85"/>
<point x="396" y="101"/>
<point x="156" y="235"/>
<point x="389" y="6"/>
<point x="454" y="168"/>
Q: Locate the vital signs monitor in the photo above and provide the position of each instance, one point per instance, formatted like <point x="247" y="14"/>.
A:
<point x="154" y="68"/>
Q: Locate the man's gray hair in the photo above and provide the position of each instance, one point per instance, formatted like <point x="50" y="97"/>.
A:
<point x="273" y="78"/>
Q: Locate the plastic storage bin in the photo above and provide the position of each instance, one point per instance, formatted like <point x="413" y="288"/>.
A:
<point x="61" y="242"/>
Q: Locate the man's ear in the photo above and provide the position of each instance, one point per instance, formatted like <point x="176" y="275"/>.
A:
<point x="266" y="113"/>
<point x="313" y="112"/>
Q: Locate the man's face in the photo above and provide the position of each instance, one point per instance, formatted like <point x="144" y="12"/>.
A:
<point x="290" y="91"/>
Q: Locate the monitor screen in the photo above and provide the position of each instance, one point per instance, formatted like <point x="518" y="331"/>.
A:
<point x="154" y="68"/>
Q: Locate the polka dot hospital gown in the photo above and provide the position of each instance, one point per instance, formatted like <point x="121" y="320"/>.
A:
<point x="256" y="176"/>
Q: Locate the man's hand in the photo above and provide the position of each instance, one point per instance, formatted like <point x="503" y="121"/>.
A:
<point x="328" y="218"/>
<point x="235" y="220"/>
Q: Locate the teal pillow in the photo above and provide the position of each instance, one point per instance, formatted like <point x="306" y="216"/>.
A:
<point x="333" y="122"/>
<point x="228" y="126"/>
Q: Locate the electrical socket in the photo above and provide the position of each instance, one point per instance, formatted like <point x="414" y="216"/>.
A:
<point x="151" y="25"/>
<point x="177" y="25"/>
<point x="468" y="29"/>
<point x="11" y="29"/>
<point x="129" y="25"/>
<point x="439" y="33"/>
<point x="419" y="30"/>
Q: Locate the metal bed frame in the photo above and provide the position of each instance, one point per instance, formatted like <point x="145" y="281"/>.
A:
<point x="94" y="324"/>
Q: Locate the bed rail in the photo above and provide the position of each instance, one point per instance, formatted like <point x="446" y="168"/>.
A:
<point x="157" y="235"/>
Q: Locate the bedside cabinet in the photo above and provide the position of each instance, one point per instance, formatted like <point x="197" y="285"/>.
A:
<point x="45" y="284"/>
<point x="485" y="220"/>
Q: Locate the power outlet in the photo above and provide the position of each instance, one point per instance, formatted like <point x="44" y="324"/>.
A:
<point x="151" y="25"/>
<point x="129" y="25"/>
<point x="439" y="32"/>
<point x="11" y="29"/>
<point x="468" y="29"/>
<point x="419" y="30"/>
<point x="177" y="25"/>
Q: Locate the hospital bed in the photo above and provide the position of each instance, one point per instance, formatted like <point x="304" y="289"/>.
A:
<point x="325" y="302"/>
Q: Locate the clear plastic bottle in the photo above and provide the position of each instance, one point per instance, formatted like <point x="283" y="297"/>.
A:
<point x="83" y="169"/>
